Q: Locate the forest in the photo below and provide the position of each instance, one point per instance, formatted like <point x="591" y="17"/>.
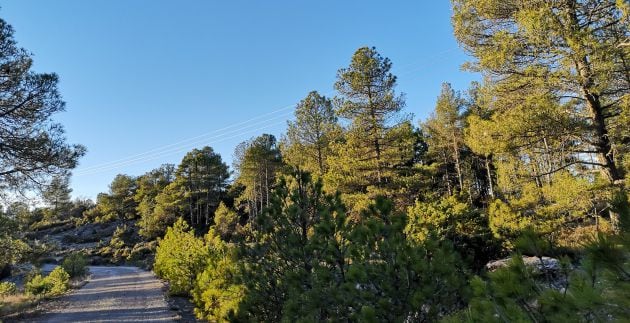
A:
<point x="509" y="203"/>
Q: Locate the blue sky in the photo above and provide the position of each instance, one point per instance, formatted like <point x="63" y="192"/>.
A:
<point x="146" y="81"/>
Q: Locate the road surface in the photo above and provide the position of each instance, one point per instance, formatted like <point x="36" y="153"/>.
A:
<point x="113" y="294"/>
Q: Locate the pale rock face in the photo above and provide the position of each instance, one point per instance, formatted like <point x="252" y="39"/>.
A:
<point x="538" y="264"/>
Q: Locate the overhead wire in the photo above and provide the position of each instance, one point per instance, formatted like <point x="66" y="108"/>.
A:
<point x="185" y="144"/>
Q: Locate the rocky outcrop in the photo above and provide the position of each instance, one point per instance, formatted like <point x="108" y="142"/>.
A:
<point x="543" y="264"/>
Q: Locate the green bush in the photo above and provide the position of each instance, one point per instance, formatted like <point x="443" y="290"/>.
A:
<point x="75" y="265"/>
<point x="7" y="288"/>
<point x="56" y="283"/>
<point x="38" y="285"/>
<point x="180" y="257"/>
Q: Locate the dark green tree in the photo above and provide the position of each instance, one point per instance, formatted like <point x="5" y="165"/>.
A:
<point x="32" y="146"/>
<point x="203" y="176"/>
<point x="57" y="195"/>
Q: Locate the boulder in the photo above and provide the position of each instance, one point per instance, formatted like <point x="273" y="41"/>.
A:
<point x="544" y="264"/>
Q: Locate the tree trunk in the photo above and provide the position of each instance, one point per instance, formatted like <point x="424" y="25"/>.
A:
<point x="458" y="167"/>
<point x="320" y="161"/>
<point x="489" y="173"/>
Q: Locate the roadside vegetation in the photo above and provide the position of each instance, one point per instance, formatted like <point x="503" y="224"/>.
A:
<point x="508" y="203"/>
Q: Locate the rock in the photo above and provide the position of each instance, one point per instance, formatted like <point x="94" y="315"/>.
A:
<point x="547" y="264"/>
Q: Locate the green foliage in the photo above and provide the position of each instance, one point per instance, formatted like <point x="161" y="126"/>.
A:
<point x="34" y="146"/>
<point x="118" y="204"/>
<point x="75" y="265"/>
<point x="152" y="192"/>
<point x="179" y="257"/>
<point x="121" y="242"/>
<point x="308" y="260"/>
<point x="57" y="196"/>
<point x="12" y="248"/>
<point x="309" y="137"/>
<point x="596" y="290"/>
<point x="7" y="289"/>
<point x="56" y="283"/>
<point x="378" y="140"/>
<point x="558" y="91"/>
<point x="445" y="139"/>
<point x="218" y="292"/>
<point x="257" y="162"/>
<point x="225" y="222"/>
<point x="202" y="176"/>
<point x="451" y="219"/>
<point x="168" y="204"/>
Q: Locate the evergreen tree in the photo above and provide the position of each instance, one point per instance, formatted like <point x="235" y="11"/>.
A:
<point x="204" y="178"/>
<point x="122" y="191"/>
<point x="378" y="139"/>
<point x="33" y="147"/>
<point x="256" y="163"/>
<point x="170" y="205"/>
<point x="57" y="195"/>
<point x="150" y="185"/>
<point x="225" y="222"/>
<point x="218" y="293"/>
<point x="118" y="204"/>
<point x="309" y="137"/>
<point x="445" y="138"/>
<point x="540" y="55"/>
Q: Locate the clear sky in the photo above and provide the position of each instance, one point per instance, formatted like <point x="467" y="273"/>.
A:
<point x="147" y="81"/>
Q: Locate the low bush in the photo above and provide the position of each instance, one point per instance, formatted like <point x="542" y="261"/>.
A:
<point x="56" y="283"/>
<point x="75" y="265"/>
<point x="7" y="288"/>
<point x="38" y="285"/>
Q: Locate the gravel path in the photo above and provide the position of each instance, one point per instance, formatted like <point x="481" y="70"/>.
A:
<point x="114" y="294"/>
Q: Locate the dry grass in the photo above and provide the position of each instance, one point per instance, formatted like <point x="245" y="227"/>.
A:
<point x="21" y="306"/>
<point x="574" y="238"/>
<point x="12" y="304"/>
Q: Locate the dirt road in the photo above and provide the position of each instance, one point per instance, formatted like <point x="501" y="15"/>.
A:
<point x="114" y="294"/>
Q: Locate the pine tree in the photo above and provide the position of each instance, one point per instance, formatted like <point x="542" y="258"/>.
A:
<point x="149" y="187"/>
<point x="445" y="138"/>
<point x="256" y="163"/>
<point x="378" y="139"/>
<point x="540" y="55"/>
<point x="204" y="178"/>
<point x="57" y="195"/>
<point x="309" y="137"/>
<point x="33" y="147"/>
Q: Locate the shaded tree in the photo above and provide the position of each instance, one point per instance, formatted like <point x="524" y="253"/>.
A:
<point x="32" y="146"/>
<point x="203" y="176"/>
<point x="57" y="194"/>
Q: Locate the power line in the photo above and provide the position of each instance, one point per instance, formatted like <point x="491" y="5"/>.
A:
<point x="177" y="146"/>
<point x="155" y="155"/>
<point x="184" y="141"/>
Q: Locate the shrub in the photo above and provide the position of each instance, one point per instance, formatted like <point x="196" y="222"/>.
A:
<point x="56" y="283"/>
<point x="180" y="257"/>
<point x="75" y="265"/>
<point x="7" y="288"/>
<point x="38" y="285"/>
